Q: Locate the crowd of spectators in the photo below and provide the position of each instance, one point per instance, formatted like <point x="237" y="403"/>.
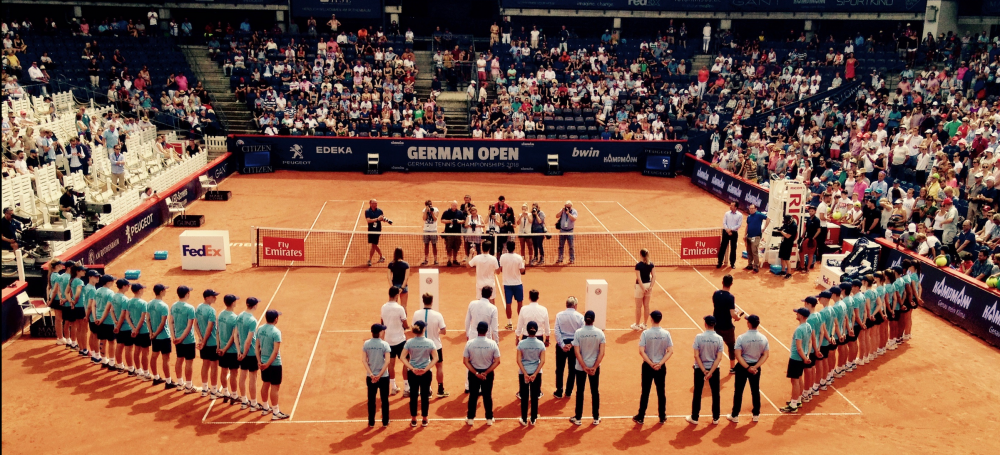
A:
<point x="339" y="83"/>
<point x="916" y="162"/>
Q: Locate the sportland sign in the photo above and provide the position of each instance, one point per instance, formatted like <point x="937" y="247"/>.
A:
<point x="967" y="304"/>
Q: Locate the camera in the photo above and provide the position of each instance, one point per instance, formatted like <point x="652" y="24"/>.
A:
<point x="386" y="220"/>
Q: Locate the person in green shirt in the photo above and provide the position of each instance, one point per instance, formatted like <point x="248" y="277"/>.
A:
<point x="159" y="334"/>
<point x="123" y="328"/>
<point x="55" y="291"/>
<point x="798" y="359"/>
<point x="268" y="347"/>
<point x="75" y="314"/>
<point x="227" y="349"/>
<point x="89" y="292"/>
<point x="182" y="326"/>
<point x="138" y="314"/>
<point x="246" y="340"/>
<point x="205" y="330"/>
<point x="105" y="319"/>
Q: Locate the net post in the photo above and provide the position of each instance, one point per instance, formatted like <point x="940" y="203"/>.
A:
<point x="256" y="246"/>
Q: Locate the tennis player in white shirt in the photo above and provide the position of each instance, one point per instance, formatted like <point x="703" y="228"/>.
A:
<point x="487" y="267"/>
<point x="434" y="328"/>
<point x="394" y="320"/>
<point x="512" y="267"/>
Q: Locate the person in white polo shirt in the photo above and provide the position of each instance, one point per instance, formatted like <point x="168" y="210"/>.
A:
<point x="434" y="327"/>
<point x="487" y="267"/>
<point x="394" y="320"/>
<point x="512" y="267"/>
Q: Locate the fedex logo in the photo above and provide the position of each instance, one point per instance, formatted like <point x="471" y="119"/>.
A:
<point x="204" y="250"/>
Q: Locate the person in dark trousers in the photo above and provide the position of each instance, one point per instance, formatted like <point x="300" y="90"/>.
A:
<point x="724" y="310"/>
<point x="588" y="345"/>
<point x="419" y="356"/>
<point x="566" y="325"/>
<point x="530" y="359"/>
<point x="655" y="348"/>
<point x="751" y="353"/>
<point x="731" y="223"/>
<point x="375" y="357"/>
<point x="708" y="347"/>
<point x="481" y="357"/>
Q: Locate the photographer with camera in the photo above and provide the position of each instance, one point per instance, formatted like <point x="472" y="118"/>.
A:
<point x="475" y="224"/>
<point x="374" y="217"/>
<point x="538" y="228"/>
<point x="430" y="217"/>
<point x="567" y="221"/>
<point x="68" y="204"/>
<point x="453" y="220"/>
<point x="504" y="219"/>
<point x="8" y="230"/>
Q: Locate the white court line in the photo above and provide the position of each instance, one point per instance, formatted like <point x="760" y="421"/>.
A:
<point x="315" y="345"/>
<point x="550" y="328"/>
<point x="311" y="227"/>
<point x="609" y="230"/>
<point x="481" y="421"/>
<point x="356" y="220"/>
<point x="453" y="198"/>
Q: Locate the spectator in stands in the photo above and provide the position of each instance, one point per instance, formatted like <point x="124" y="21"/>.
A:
<point x="117" y="168"/>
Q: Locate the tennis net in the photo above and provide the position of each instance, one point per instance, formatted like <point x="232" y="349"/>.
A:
<point x="280" y="247"/>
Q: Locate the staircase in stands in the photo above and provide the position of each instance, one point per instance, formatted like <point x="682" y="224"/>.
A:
<point x="453" y="104"/>
<point x="236" y="118"/>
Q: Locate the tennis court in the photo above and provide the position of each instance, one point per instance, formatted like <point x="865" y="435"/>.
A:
<point x="938" y="393"/>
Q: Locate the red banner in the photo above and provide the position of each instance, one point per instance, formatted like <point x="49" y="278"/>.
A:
<point x="284" y="248"/>
<point x="700" y="247"/>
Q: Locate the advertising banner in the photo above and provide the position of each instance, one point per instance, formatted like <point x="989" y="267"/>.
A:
<point x="700" y="247"/>
<point x="121" y="235"/>
<point x="408" y="155"/>
<point x="342" y="8"/>
<point x="868" y="6"/>
<point x="283" y="248"/>
<point x="966" y="304"/>
<point x="727" y="186"/>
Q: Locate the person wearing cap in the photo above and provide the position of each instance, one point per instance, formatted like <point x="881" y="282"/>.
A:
<point x="732" y="220"/>
<point x="916" y="291"/>
<point x="159" y="334"/>
<point x="752" y="351"/>
<point x="434" y="327"/>
<point x="708" y="350"/>
<point x="588" y="347"/>
<point x="949" y="221"/>
<point x="815" y="371"/>
<point x="123" y="329"/>
<point x="375" y="358"/>
<point x="530" y="359"/>
<point x="481" y="356"/>
<point x="138" y="313"/>
<point x="182" y="321"/>
<point x="419" y="354"/>
<point x="394" y="319"/>
<point x="105" y="320"/>
<point x="269" y="357"/>
<point x="89" y="294"/>
<point x="228" y="361"/>
<point x="802" y="347"/>
<point x="863" y="320"/>
<point x="246" y="340"/>
<point x="655" y="347"/>
<point x="58" y="283"/>
<point x="76" y="315"/>
<point x="205" y="332"/>
<point x="567" y="322"/>
<point x="847" y="328"/>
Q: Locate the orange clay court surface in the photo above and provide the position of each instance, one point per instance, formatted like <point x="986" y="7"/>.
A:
<point x="938" y="393"/>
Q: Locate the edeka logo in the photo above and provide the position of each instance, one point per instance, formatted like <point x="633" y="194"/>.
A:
<point x="283" y="248"/>
<point x="334" y="150"/>
<point x="138" y="226"/>
<point x="992" y="314"/>
<point x="941" y="289"/>
<point x="586" y="153"/>
<point x="463" y="153"/>
<point x="201" y="251"/>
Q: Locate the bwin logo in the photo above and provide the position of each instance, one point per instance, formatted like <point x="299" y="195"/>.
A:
<point x="297" y="152"/>
<point x="588" y="153"/>
<point x="643" y="2"/>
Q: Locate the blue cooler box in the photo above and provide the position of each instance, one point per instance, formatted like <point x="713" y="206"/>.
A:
<point x="160" y="255"/>
<point x="132" y="274"/>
